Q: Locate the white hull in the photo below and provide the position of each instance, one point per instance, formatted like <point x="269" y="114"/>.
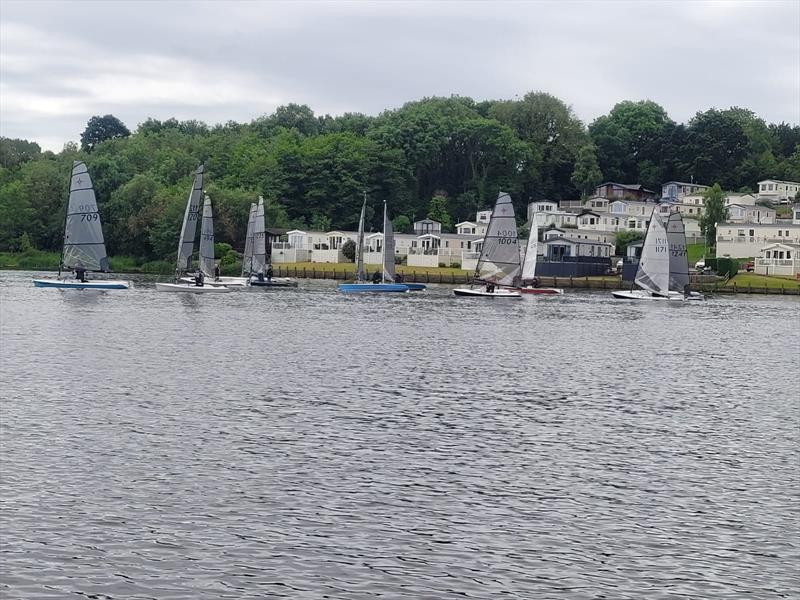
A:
<point x="276" y="282"/>
<point x="643" y="295"/>
<point x="482" y="293"/>
<point x="74" y="284"/>
<point x="191" y="289"/>
<point x="542" y="291"/>
<point x="226" y="281"/>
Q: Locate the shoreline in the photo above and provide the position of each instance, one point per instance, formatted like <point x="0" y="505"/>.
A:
<point x="449" y="277"/>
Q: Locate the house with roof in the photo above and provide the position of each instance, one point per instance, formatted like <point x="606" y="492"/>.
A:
<point x="570" y="257"/>
<point x="738" y="213"/>
<point x="633" y="191"/>
<point x="675" y="191"/>
<point x="777" y="191"/>
<point x="556" y="218"/>
<point x="575" y="206"/>
<point x="540" y="206"/>
<point x="746" y="240"/>
<point x="597" y="204"/>
<point x="424" y="226"/>
<point x="779" y="258"/>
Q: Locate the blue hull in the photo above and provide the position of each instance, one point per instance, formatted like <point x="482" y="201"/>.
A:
<point x="354" y="288"/>
<point x="94" y="285"/>
<point x="415" y="287"/>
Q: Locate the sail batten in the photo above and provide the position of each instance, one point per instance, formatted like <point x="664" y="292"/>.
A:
<point x="84" y="245"/>
<point x="189" y="227"/>
<point x="499" y="261"/>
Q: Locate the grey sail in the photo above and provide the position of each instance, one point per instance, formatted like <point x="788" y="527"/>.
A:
<point x="259" y="240"/>
<point x="207" y="240"/>
<point x="529" y="261"/>
<point x="190" y="218"/>
<point x="247" y="260"/>
<point x="84" y="247"/>
<point x="388" y="247"/>
<point x="678" y="259"/>
<point x="360" y="274"/>
<point x="652" y="274"/>
<point x="499" y="261"/>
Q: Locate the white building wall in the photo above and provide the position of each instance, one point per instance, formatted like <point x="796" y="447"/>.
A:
<point x="745" y="240"/>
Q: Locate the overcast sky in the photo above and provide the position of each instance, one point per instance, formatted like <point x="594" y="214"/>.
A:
<point x="62" y="62"/>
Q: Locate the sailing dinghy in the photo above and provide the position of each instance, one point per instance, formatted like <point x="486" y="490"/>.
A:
<point x="498" y="265"/>
<point x="84" y="248"/>
<point x="258" y="261"/>
<point x="387" y="283"/>
<point x="186" y="244"/>
<point x="663" y="271"/>
<point x="529" y="281"/>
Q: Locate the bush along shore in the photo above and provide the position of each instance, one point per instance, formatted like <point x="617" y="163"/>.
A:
<point x="743" y="283"/>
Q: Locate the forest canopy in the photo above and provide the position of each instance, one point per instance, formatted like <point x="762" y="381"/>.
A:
<point x="312" y="170"/>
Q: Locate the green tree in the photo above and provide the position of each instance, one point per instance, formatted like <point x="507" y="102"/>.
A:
<point x="623" y="238"/>
<point x="320" y="222"/>
<point x="401" y="224"/>
<point x="587" y="175"/>
<point x="14" y="152"/>
<point x="100" y="129"/>
<point x="349" y="250"/>
<point x="437" y="210"/>
<point x="714" y="212"/>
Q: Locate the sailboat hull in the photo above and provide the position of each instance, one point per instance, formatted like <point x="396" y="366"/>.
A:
<point x="647" y="296"/>
<point x="226" y="281"/>
<point x="275" y="282"/>
<point x="415" y="287"/>
<point x="191" y="289"/>
<point x="541" y="291"/>
<point x="356" y="288"/>
<point x="107" y="284"/>
<point x="482" y="293"/>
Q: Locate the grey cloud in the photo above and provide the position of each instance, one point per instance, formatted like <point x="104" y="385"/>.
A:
<point x="218" y="61"/>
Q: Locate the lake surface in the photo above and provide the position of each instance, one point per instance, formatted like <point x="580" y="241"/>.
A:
<point x="305" y="444"/>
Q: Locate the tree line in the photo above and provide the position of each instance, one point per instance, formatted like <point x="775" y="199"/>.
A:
<point x="440" y="157"/>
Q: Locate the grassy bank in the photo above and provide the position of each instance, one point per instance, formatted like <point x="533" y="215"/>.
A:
<point x="340" y="268"/>
<point x="773" y="282"/>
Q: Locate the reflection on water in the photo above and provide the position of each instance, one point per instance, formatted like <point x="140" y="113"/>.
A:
<point x="302" y="443"/>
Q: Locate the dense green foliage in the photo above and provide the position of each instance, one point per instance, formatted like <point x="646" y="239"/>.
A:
<point x="313" y="171"/>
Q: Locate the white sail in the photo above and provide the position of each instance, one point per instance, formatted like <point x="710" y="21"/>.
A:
<point x="84" y="246"/>
<point x="207" y="240"/>
<point x="247" y="259"/>
<point x="190" y="218"/>
<point x="529" y="263"/>
<point x="259" y="240"/>
<point x="678" y="259"/>
<point x="388" y="247"/>
<point x="360" y="274"/>
<point x="653" y="272"/>
<point x="499" y="261"/>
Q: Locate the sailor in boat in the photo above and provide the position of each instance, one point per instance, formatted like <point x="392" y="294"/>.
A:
<point x="376" y="277"/>
<point x="260" y="275"/>
<point x="270" y="272"/>
<point x="398" y="278"/>
<point x="216" y="272"/>
<point x="80" y="273"/>
<point x="687" y="290"/>
<point x="198" y="278"/>
<point x="489" y="287"/>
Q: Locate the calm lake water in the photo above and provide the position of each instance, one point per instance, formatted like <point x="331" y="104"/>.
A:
<point x="304" y="444"/>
